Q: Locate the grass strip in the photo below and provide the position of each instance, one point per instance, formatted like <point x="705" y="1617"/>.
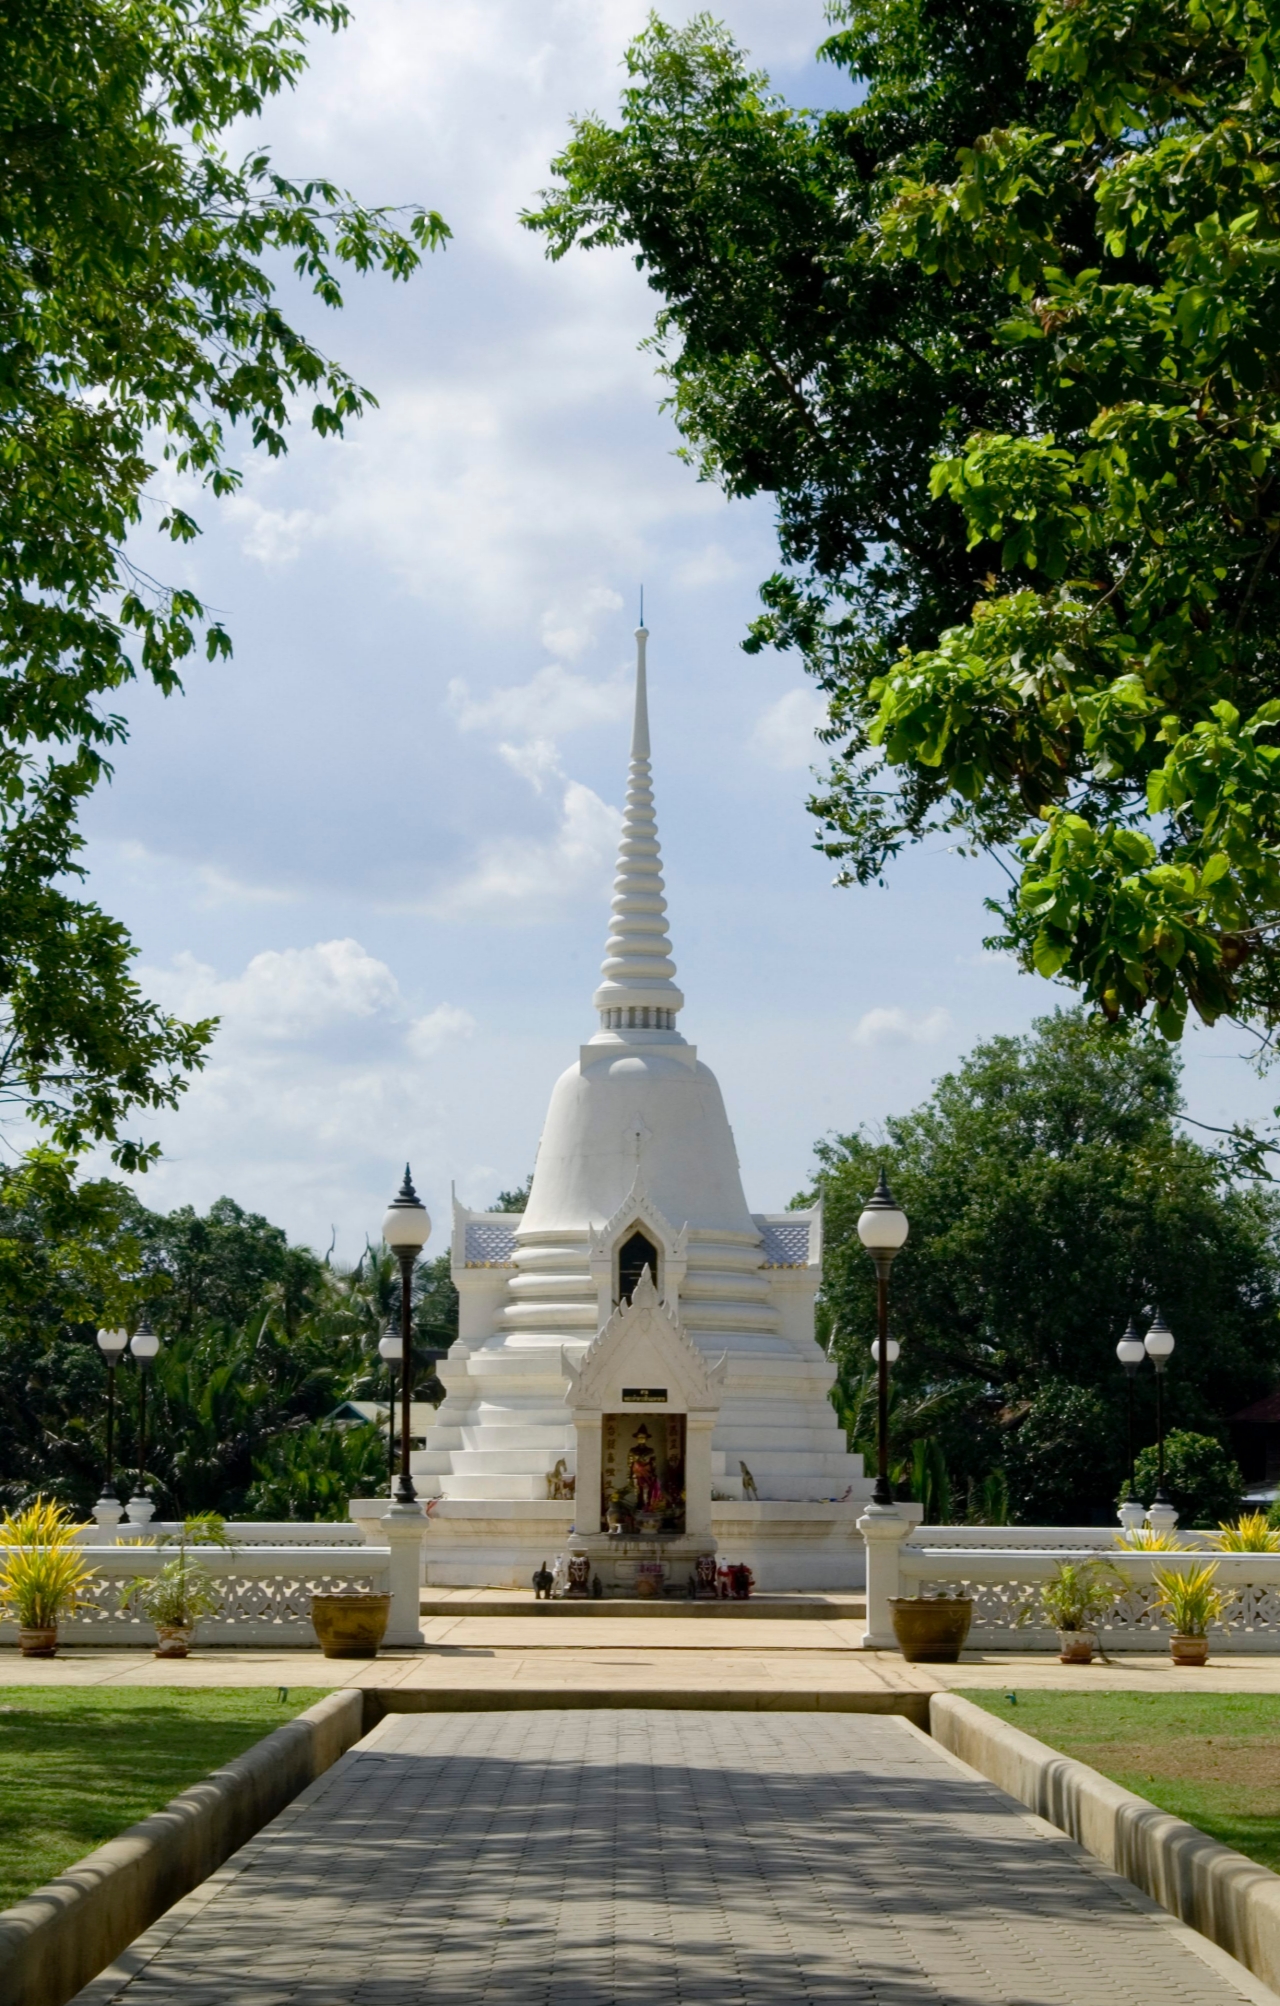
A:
<point x="79" y="1765"/>
<point x="1211" y="1758"/>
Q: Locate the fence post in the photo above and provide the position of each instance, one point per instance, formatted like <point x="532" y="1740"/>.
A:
<point x="405" y="1526"/>
<point x="884" y="1530"/>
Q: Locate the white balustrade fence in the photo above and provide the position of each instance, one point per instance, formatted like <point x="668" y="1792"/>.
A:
<point x="1004" y="1567"/>
<point x="265" y="1591"/>
<point x="241" y="1532"/>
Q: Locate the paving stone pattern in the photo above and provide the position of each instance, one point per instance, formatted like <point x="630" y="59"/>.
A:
<point x="579" y="1858"/>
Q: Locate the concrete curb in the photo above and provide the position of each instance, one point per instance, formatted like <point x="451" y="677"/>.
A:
<point x="1229" y="1899"/>
<point x="61" y="1936"/>
<point x="382" y="1700"/>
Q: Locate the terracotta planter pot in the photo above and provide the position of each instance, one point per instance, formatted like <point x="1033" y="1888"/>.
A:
<point x="1076" y="1647"/>
<point x="40" y="1643"/>
<point x="350" y="1626"/>
<point x="931" y="1629"/>
<point x="1188" y="1650"/>
<point x="173" y="1640"/>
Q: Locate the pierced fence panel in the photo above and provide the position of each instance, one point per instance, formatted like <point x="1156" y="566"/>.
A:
<point x="265" y="1593"/>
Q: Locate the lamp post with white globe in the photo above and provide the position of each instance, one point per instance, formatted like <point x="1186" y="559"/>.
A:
<point x="1131" y="1351"/>
<point x="883" y="1229"/>
<point x="406" y="1230"/>
<point x="1158" y="1346"/>
<point x="144" y="1344"/>
<point x="391" y="1351"/>
<point x="111" y="1344"/>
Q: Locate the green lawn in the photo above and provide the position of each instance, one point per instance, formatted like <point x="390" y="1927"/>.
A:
<point x="77" y="1766"/>
<point x="1212" y="1758"/>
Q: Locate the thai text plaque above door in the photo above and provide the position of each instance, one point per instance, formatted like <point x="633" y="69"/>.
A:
<point x="642" y="1394"/>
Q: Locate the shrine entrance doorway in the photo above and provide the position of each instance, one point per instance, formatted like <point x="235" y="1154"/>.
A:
<point x="642" y="1471"/>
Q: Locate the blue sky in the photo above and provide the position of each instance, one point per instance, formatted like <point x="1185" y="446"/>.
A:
<point x="380" y="841"/>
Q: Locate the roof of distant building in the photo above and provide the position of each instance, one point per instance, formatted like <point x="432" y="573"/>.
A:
<point x="1264" y="1410"/>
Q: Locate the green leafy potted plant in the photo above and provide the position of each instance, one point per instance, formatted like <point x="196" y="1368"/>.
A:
<point x="184" y="1590"/>
<point x="1191" y="1600"/>
<point x="42" y="1573"/>
<point x="1078" y="1595"/>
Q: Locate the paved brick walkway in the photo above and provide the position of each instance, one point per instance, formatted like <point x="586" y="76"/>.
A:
<point x="712" y="1859"/>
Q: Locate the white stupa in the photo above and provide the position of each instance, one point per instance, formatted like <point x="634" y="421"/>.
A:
<point x="688" y="1407"/>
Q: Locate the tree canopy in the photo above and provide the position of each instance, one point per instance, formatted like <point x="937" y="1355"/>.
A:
<point x="1003" y="342"/>
<point x="139" y="325"/>
<point x="1051" y="1196"/>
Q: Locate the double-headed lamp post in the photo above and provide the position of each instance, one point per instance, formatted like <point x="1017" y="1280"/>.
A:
<point x="406" y="1230"/>
<point x="883" y="1229"/>
<point x="144" y="1344"/>
<point x="1131" y="1351"/>
<point x="1158" y="1346"/>
<point x="391" y="1351"/>
<point x="111" y="1344"/>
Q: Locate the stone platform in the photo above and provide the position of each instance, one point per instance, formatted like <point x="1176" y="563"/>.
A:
<point x="471" y="1602"/>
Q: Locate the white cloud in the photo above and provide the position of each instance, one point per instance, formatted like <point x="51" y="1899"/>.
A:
<point x="531" y="879"/>
<point x="288" y="993"/>
<point x="895" y="1027"/>
<point x="537" y="762"/>
<point x="784" y="734"/>
<point x="426" y="1035"/>
<point x="570" y="629"/>
<point x="554" y="701"/>
<point x="272" y="537"/>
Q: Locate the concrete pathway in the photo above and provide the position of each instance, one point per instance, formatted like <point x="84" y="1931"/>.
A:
<point x="667" y="1859"/>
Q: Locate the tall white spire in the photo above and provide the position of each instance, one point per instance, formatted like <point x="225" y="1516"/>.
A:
<point x="637" y="992"/>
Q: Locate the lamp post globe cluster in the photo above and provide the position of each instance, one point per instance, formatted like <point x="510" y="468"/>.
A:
<point x="1158" y="1346"/>
<point x="883" y="1229"/>
<point x="143" y="1346"/>
<point x="406" y="1230"/>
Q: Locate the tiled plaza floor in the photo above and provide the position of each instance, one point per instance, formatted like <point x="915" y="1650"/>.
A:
<point x="582" y="1858"/>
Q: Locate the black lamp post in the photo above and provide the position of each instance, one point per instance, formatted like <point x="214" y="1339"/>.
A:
<point x="1158" y="1346"/>
<point x="1131" y="1351"/>
<point x="144" y="1344"/>
<point x="111" y="1343"/>
<point x="882" y="1230"/>
<point x="391" y="1348"/>
<point x="406" y="1230"/>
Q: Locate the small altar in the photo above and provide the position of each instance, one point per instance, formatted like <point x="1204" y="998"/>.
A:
<point x="644" y="1403"/>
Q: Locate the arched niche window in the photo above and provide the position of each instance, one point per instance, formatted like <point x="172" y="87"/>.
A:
<point x="636" y="1253"/>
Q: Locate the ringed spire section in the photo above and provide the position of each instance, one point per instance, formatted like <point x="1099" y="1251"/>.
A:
<point x="637" y="990"/>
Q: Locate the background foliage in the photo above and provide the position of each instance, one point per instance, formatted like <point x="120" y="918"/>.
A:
<point x="262" y="1340"/>
<point x="1051" y="1195"/>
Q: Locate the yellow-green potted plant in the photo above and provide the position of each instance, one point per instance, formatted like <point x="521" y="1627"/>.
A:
<point x="1250" y="1533"/>
<point x="1191" y="1601"/>
<point x="43" y="1573"/>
